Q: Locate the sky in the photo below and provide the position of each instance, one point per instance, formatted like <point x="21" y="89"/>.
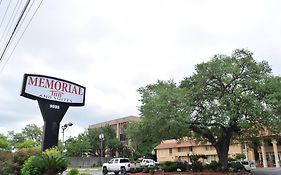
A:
<point x="115" y="47"/>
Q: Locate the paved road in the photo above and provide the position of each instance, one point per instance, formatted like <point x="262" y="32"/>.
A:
<point x="258" y="171"/>
<point x="267" y="171"/>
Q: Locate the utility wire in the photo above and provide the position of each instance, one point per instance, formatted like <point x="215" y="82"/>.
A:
<point x="9" y="25"/>
<point x="21" y="22"/>
<point x="21" y="36"/>
<point x="4" y="51"/>
<point x="5" y="13"/>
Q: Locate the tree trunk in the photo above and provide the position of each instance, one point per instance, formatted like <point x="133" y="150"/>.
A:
<point x="222" y="148"/>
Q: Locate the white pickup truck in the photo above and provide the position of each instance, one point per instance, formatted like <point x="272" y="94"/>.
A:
<point x="116" y="165"/>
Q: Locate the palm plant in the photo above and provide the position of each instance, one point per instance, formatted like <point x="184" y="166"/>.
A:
<point x="45" y="164"/>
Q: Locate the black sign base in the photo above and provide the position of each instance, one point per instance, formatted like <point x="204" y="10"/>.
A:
<point x="52" y="113"/>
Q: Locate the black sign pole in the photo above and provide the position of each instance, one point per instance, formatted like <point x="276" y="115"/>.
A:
<point x="54" y="96"/>
<point x="52" y="113"/>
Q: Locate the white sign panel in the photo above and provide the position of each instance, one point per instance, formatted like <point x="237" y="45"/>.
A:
<point x="50" y="88"/>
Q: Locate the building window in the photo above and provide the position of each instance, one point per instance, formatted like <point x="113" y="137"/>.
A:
<point x="170" y="150"/>
<point x="208" y="148"/>
<point x="179" y="150"/>
<point x="209" y="159"/>
<point x="190" y="149"/>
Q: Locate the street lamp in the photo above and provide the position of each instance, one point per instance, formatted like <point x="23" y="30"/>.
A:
<point x="101" y="137"/>
<point x="63" y="127"/>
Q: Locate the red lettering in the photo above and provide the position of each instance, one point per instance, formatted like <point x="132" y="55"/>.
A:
<point x="41" y="82"/>
<point x="69" y="88"/>
<point x="79" y="91"/>
<point x="49" y="84"/>
<point x="57" y="85"/>
<point x="64" y="86"/>
<point x="74" y="90"/>
<point x="32" y="82"/>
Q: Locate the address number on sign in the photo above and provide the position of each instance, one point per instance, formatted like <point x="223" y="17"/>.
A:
<point x="54" y="106"/>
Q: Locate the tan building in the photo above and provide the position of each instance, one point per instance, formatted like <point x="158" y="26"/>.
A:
<point x="171" y="150"/>
<point x="118" y="125"/>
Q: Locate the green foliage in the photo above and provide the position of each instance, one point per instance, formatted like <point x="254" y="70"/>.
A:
<point x="169" y="166"/>
<point x="75" y="146"/>
<point x="29" y="167"/>
<point x="8" y="167"/>
<point x="4" y="143"/>
<point x="214" y="165"/>
<point x="196" y="165"/>
<point x="196" y="157"/>
<point x="239" y="156"/>
<point x="26" y="144"/>
<point x="11" y="163"/>
<point x="110" y="143"/>
<point x="48" y="162"/>
<point x="32" y="132"/>
<point x="235" y="166"/>
<point x="228" y="97"/>
<point x="164" y="116"/>
<point x="15" y="138"/>
<point x="23" y="154"/>
<point x="29" y="137"/>
<point x="230" y="159"/>
<point x="53" y="152"/>
<point x="183" y="166"/>
<point x="5" y="155"/>
<point x="73" y="171"/>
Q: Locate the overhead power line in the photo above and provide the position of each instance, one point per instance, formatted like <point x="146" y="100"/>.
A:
<point x="21" y="36"/>
<point x="5" y="13"/>
<point x="12" y="31"/>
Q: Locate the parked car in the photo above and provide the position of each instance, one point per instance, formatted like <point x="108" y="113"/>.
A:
<point x="248" y="165"/>
<point x="116" y="165"/>
<point x="147" y="162"/>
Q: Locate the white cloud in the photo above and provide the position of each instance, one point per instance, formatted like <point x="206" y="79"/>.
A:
<point x="115" y="47"/>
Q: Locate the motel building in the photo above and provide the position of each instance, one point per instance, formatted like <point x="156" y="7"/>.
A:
<point x="266" y="155"/>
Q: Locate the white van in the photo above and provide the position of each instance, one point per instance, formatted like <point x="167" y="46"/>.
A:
<point x="248" y="165"/>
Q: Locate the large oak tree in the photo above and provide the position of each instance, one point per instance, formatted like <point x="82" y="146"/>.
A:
<point x="226" y="97"/>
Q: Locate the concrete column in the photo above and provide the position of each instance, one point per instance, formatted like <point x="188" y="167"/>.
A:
<point x="275" y="150"/>
<point x="246" y="151"/>
<point x="118" y="131"/>
<point x="260" y="157"/>
<point x="264" y="161"/>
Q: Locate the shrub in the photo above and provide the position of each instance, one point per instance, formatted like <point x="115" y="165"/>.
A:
<point x="183" y="166"/>
<point x="152" y="169"/>
<point x="8" y="168"/>
<point x="29" y="167"/>
<point x="46" y="163"/>
<point x="23" y="154"/>
<point x="73" y="171"/>
<point x="145" y="169"/>
<point x="214" y="165"/>
<point x="169" y="166"/>
<point x="236" y="166"/>
<point x="197" y="166"/>
<point x="5" y="155"/>
<point x="240" y="156"/>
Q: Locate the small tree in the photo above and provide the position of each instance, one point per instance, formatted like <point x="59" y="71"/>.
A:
<point x="240" y="156"/>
